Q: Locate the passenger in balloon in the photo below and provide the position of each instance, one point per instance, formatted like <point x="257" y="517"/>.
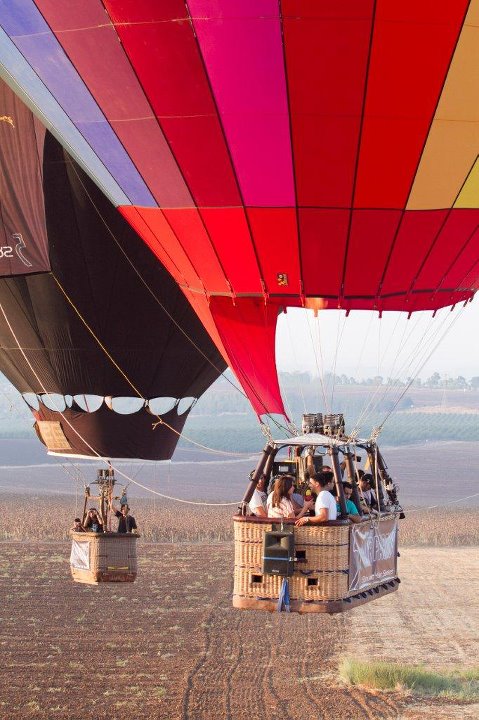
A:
<point x="77" y="526"/>
<point x="368" y="495"/>
<point x="325" y="506"/>
<point x="93" y="522"/>
<point x="257" y="504"/>
<point x="279" y="503"/>
<point x="352" y="510"/>
<point x="126" y="522"/>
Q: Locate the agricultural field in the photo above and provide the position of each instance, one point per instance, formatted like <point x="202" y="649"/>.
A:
<point x="171" y="646"/>
<point x="48" y="518"/>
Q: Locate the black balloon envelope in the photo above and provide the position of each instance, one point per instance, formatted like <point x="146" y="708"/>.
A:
<point x="93" y="330"/>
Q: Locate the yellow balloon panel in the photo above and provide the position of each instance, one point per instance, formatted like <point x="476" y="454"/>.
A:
<point x="452" y="146"/>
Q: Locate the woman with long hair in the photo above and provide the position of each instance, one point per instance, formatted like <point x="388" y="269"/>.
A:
<point x="279" y="502"/>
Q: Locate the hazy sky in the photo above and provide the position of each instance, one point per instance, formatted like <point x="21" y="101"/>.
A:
<point x="390" y="346"/>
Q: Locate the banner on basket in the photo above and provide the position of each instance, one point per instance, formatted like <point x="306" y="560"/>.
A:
<point x="372" y="553"/>
<point x="80" y="555"/>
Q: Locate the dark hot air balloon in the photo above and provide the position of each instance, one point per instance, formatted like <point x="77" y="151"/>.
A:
<point x="94" y="332"/>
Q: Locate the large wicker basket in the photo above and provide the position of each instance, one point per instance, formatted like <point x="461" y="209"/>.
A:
<point x="103" y="557"/>
<point x="321" y="580"/>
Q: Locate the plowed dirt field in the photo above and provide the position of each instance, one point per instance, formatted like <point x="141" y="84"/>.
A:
<point x="171" y="646"/>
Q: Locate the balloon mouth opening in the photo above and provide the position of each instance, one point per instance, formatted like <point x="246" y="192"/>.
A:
<point x="123" y="405"/>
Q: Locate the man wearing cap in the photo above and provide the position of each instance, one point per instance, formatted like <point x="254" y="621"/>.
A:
<point x="126" y="523"/>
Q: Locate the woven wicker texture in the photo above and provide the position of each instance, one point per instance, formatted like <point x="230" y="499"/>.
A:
<point x="321" y="574"/>
<point x="110" y="556"/>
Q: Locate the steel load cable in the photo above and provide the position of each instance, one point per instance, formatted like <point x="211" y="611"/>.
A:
<point x="179" y="327"/>
<point x="115" y="468"/>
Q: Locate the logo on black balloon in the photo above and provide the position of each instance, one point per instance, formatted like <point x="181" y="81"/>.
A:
<point x="19" y="247"/>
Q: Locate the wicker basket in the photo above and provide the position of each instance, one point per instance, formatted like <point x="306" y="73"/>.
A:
<point x="320" y="582"/>
<point x="103" y="557"/>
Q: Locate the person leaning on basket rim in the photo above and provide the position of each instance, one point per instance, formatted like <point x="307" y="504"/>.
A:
<point x="126" y="523"/>
<point x="77" y="526"/>
<point x="325" y="505"/>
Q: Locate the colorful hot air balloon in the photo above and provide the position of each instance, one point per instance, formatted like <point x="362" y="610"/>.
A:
<point x="272" y="154"/>
<point x="90" y="322"/>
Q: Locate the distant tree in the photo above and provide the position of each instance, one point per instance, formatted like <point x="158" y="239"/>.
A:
<point x="434" y="381"/>
<point x="475" y="382"/>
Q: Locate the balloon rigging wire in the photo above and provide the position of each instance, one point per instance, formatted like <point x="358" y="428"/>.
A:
<point x="394" y="374"/>
<point x="415" y="362"/>
<point x="132" y="385"/>
<point x="449" y="502"/>
<point x="370" y="404"/>
<point x="147" y="286"/>
<point x="433" y="349"/>
<point x="363" y="347"/>
<point x="69" y="161"/>
<point x="319" y="363"/>
<point x="416" y="359"/>
<point x="97" y="454"/>
<point x="339" y="338"/>
<point x="379" y="346"/>
<point x="392" y="381"/>
<point x="296" y="364"/>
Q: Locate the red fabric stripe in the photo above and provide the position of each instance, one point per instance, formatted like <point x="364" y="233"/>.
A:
<point x="201" y="306"/>
<point x="371" y="237"/>
<point x="458" y="230"/>
<point x="151" y="225"/>
<point x="189" y="229"/>
<point x="326" y="48"/>
<point x="323" y="235"/>
<point x="82" y="29"/>
<point x="412" y="47"/>
<point x="415" y="301"/>
<point x="168" y="63"/>
<point x="416" y="235"/>
<point x="276" y="240"/>
<point x="230" y="234"/>
<point x="247" y="329"/>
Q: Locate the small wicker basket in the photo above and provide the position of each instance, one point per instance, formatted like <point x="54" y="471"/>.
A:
<point x="103" y="557"/>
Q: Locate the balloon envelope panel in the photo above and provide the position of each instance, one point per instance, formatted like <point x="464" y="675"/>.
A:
<point x="100" y="317"/>
<point x="274" y="153"/>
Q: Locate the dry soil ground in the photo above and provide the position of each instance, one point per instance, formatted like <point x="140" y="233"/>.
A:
<point x="171" y="646"/>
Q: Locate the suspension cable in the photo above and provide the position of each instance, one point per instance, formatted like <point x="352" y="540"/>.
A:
<point x="412" y="365"/>
<point x="147" y="286"/>
<point x="95" y="453"/>
<point x="339" y="338"/>
<point x="160" y="420"/>
<point x="421" y="365"/>
<point x="319" y="363"/>
<point x="292" y="345"/>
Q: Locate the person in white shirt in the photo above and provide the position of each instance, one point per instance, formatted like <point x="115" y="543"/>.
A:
<point x="325" y="506"/>
<point x="257" y="504"/>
